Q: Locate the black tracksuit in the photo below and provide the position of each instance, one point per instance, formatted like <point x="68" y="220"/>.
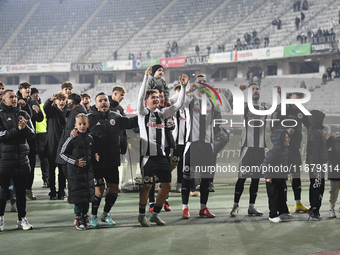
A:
<point x="277" y="156"/>
<point x="56" y="121"/>
<point x="35" y="117"/>
<point x="14" y="150"/>
<point x="317" y="154"/>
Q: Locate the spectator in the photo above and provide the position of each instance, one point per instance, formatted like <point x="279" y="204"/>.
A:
<point x="197" y="49"/>
<point x="305" y="5"/>
<point x="329" y="72"/>
<point x="132" y="56"/>
<point x="339" y="17"/>
<point x="174" y="47"/>
<point x="167" y="54"/>
<point x="319" y="32"/>
<point x="303" y="85"/>
<point x="299" y="38"/>
<point x="254" y="33"/>
<point x="294" y="6"/>
<point x="222" y="48"/>
<point x="129" y="56"/>
<point x="259" y="76"/>
<point x="336" y="69"/>
<point x="257" y="41"/>
<point x="298" y="5"/>
<point x="208" y="49"/>
<point x="266" y="41"/>
<point x="274" y="22"/>
<point x="324" y="79"/>
<point x="219" y="49"/>
<point x="148" y="54"/>
<point x="303" y="16"/>
<point x="279" y="24"/>
<point x="115" y="55"/>
<point x="297" y="22"/>
<point x="140" y="56"/>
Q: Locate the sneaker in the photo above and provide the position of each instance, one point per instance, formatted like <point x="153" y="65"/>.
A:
<point x="211" y="187"/>
<point x="107" y="219"/>
<point x="234" y="211"/>
<point x="205" y="212"/>
<point x="179" y="187"/>
<point x="288" y="207"/>
<point x="86" y="221"/>
<point x="275" y="220"/>
<point x="155" y="218"/>
<point x="185" y="213"/>
<point x="94" y="222"/>
<point x="167" y="207"/>
<point x="79" y="223"/>
<point x="312" y="214"/>
<point x="286" y="217"/>
<point x="30" y="195"/>
<point x="254" y="211"/>
<point x="332" y="213"/>
<point x="23" y="223"/>
<point x="143" y="221"/>
<point x="2" y="223"/>
<point x="14" y="207"/>
<point x="300" y="208"/>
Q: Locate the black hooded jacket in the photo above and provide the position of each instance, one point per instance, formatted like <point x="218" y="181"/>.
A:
<point x="333" y="159"/>
<point x="14" y="148"/>
<point x="105" y="130"/>
<point x="277" y="156"/>
<point x="316" y="139"/>
<point x="56" y="121"/>
<point x="35" y="117"/>
<point x="116" y="107"/>
<point x="80" y="179"/>
<point x="71" y="120"/>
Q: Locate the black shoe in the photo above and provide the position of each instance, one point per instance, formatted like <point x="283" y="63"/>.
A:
<point x="53" y="198"/>
<point x="313" y="214"/>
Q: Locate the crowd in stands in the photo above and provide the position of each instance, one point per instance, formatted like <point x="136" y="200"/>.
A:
<point x="251" y="41"/>
<point x="171" y="49"/>
<point x="297" y="5"/>
<point x="310" y="36"/>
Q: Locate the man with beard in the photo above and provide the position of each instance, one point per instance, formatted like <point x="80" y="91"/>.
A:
<point x="295" y="135"/>
<point x="253" y="146"/>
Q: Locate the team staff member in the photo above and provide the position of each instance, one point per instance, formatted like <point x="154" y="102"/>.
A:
<point x="105" y="127"/>
<point x="15" y="129"/>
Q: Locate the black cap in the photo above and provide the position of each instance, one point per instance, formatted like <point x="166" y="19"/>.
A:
<point x="34" y="90"/>
<point x="155" y="68"/>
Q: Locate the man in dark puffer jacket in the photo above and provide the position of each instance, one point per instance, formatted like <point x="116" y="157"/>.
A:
<point x="15" y="128"/>
<point x="317" y="156"/>
<point x="277" y="158"/>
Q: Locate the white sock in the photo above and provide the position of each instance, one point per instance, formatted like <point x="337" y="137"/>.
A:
<point x="105" y="214"/>
<point x="297" y="201"/>
<point x="185" y="206"/>
<point x="235" y="204"/>
<point x="93" y="216"/>
<point x="203" y="206"/>
<point x="251" y="205"/>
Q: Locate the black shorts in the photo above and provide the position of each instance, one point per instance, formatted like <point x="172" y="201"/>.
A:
<point x="109" y="175"/>
<point x="178" y="153"/>
<point x="199" y="158"/>
<point x="250" y="162"/>
<point x="156" y="169"/>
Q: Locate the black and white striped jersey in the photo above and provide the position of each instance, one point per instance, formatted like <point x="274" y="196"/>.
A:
<point x="254" y="129"/>
<point x="200" y="126"/>
<point x="151" y="123"/>
<point x="180" y="130"/>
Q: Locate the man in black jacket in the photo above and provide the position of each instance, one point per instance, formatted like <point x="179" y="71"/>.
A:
<point x="15" y="128"/>
<point x="55" y="110"/>
<point x="118" y="93"/>
<point x="105" y="127"/>
<point x="32" y="107"/>
<point x="73" y="102"/>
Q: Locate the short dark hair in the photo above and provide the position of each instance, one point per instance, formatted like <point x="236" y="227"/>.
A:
<point x="67" y="84"/>
<point x="178" y="87"/>
<point x="150" y="92"/>
<point x="119" y="88"/>
<point x="2" y="84"/>
<point x="199" y="75"/>
<point x="100" y="94"/>
<point x="24" y="85"/>
<point x="82" y="95"/>
<point x="75" y="98"/>
<point x="7" y="91"/>
<point x="253" y="83"/>
<point x="299" y="94"/>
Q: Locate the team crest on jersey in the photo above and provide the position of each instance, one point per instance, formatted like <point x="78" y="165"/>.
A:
<point x="148" y="179"/>
<point x="300" y="115"/>
<point x="118" y="111"/>
<point x="112" y="122"/>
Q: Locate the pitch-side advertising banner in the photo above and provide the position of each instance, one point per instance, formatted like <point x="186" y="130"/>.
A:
<point x="36" y="68"/>
<point x="224" y="57"/>
<point x="145" y="63"/>
<point x="172" y="62"/>
<point x="86" y="67"/>
<point x="297" y="50"/>
<point x="117" y="65"/>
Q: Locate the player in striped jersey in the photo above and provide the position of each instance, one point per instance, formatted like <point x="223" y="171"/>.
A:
<point x="198" y="150"/>
<point x="252" y="151"/>
<point x="154" y="163"/>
